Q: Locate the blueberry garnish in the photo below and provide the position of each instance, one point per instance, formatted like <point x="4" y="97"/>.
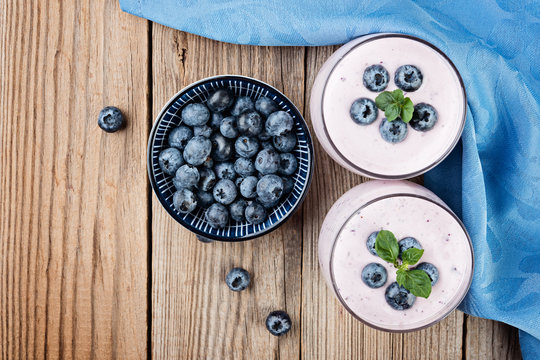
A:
<point x="180" y="136"/>
<point x="370" y="243"/>
<point x="170" y="160"/>
<point x="393" y="131"/>
<point x="431" y="270"/>
<point x="398" y="297"/>
<point x="220" y="100"/>
<point x="288" y="164"/>
<point x="217" y="215"/>
<point x="375" y="78"/>
<point x="248" y="187"/>
<point x="246" y="146"/>
<point x="207" y="179"/>
<point x="237" y="279"/>
<point x="184" y="201"/>
<point x="237" y="209"/>
<point x="265" y="106"/>
<point x="270" y="188"/>
<point x="364" y="111"/>
<point x="279" y="123"/>
<point x="110" y="119"/>
<point x="408" y="78"/>
<point x="187" y="177"/>
<point x="374" y="275"/>
<point x="225" y="191"/>
<point x="228" y="127"/>
<point x="424" y="117"/>
<point x="244" y="166"/>
<point x="250" y="123"/>
<point x="197" y="150"/>
<point x="255" y="213"/>
<point x="407" y="243"/>
<point x="285" y="143"/>
<point x="278" y="323"/>
<point x="225" y="170"/>
<point x="221" y="147"/>
<point x="204" y="198"/>
<point x="242" y="104"/>
<point x="267" y="161"/>
<point x="195" y="114"/>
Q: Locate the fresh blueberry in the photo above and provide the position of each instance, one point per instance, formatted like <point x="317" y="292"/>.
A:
<point x="398" y="297"/>
<point x="225" y="191"/>
<point x="215" y="121"/>
<point x="278" y="323"/>
<point x="170" y="160"/>
<point x="288" y="184"/>
<point x="393" y="131"/>
<point x="265" y="106"/>
<point x="204" y="130"/>
<point x="408" y="78"/>
<point x="197" y="150"/>
<point x="220" y="100"/>
<point x="374" y="275"/>
<point x="248" y="187"/>
<point x="270" y="188"/>
<point x="207" y="179"/>
<point x="279" y="123"/>
<point x="225" y="170"/>
<point x="195" y="115"/>
<point x="287" y="164"/>
<point x="370" y="243"/>
<point x="244" y="166"/>
<point x="431" y="270"/>
<point x="228" y="127"/>
<point x="267" y="144"/>
<point x="285" y="143"/>
<point x="110" y="119"/>
<point x="255" y="213"/>
<point x="205" y="198"/>
<point x="184" y="201"/>
<point x="187" y="177"/>
<point x="246" y="146"/>
<point x="237" y="279"/>
<point x="221" y="147"/>
<point x="250" y="123"/>
<point x="242" y="104"/>
<point x="217" y="216"/>
<point x="267" y="161"/>
<point x="237" y="209"/>
<point x="407" y="243"/>
<point x="424" y="117"/>
<point x="364" y="111"/>
<point x="375" y="78"/>
<point x="180" y="136"/>
<point x="264" y="135"/>
<point x="267" y="204"/>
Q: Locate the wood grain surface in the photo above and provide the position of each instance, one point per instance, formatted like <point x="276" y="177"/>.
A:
<point x="80" y="230"/>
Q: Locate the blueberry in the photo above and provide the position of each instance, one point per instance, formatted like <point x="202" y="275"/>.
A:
<point x="278" y="323"/>
<point x="248" y="187"/>
<point x="407" y="243"/>
<point x="110" y="119"/>
<point x="431" y="270"/>
<point x="287" y="164"/>
<point x="375" y="78"/>
<point x="267" y="144"/>
<point x="270" y="188"/>
<point x="250" y="123"/>
<point x="267" y="204"/>
<point x="264" y="135"/>
<point x="285" y="143"/>
<point x="170" y="160"/>
<point x="238" y="181"/>
<point x="208" y="163"/>
<point x="288" y="184"/>
<point x="184" y="201"/>
<point x="237" y="209"/>
<point x="207" y="179"/>
<point x="225" y="170"/>
<point x="220" y="100"/>
<point x="374" y="275"/>
<point x="221" y="147"/>
<point x="267" y="161"/>
<point x="228" y="127"/>
<point x="363" y="111"/>
<point x="242" y="104"/>
<point x="225" y="191"/>
<point x="215" y="121"/>
<point x="424" y="117"/>
<point x="398" y="297"/>
<point x="204" y="198"/>
<point x="204" y="130"/>
<point x="394" y="131"/>
<point x="197" y="150"/>
<point x="217" y="216"/>
<point x="279" y="123"/>
<point x="265" y="106"/>
<point x="237" y="279"/>
<point x="370" y="243"/>
<point x="180" y="136"/>
<point x="246" y="146"/>
<point x="244" y="166"/>
<point x="187" y="177"/>
<point x="408" y="78"/>
<point x="195" y="115"/>
<point x="255" y="213"/>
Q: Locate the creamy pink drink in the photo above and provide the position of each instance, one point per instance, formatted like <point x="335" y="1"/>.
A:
<point x="408" y="210"/>
<point x="360" y="148"/>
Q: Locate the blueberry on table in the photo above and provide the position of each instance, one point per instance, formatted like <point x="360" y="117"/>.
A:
<point x="375" y="78"/>
<point x="244" y="166"/>
<point x="278" y="323"/>
<point x="248" y="187"/>
<point x="217" y="215"/>
<point x="221" y="147"/>
<point x="225" y="191"/>
<point x="242" y="104"/>
<point x="228" y="127"/>
<point x="207" y="179"/>
<point x="204" y="198"/>
<point x="237" y="279"/>
<point x="431" y="270"/>
<point x="220" y="100"/>
<point x="408" y="78"/>
<point x="237" y="209"/>
<point x="394" y="131"/>
<point x="288" y="164"/>
<point x="270" y="188"/>
<point x="180" y="136"/>
<point x="267" y="161"/>
<point x="246" y="146"/>
<point x="398" y="297"/>
<point x="187" y="177"/>
<point x="374" y="275"/>
<point x="250" y="123"/>
<point x="170" y="160"/>
<point x="110" y="119"/>
<point x="288" y="184"/>
<point x="204" y="130"/>
<point x="279" y="123"/>
<point x="424" y="117"/>
<point x="370" y="243"/>
<point x="215" y="121"/>
<point x="407" y="243"/>
<point x="364" y="111"/>
<point x="184" y="201"/>
<point x="225" y="170"/>
<point x="255" y="213"/>
<point x="265" y="106"/>
<point x="195" y="114"/>
<point x="285" y="143"/>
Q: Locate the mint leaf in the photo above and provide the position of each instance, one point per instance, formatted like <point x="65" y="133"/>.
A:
<point x="407" y="110"/>
<point x="392" y="112"/>
<point x="398" y="96"/>
<point x="416" y="281"/>
<point x="387" y="247"/>
<point x="411" y="256"/>
<point x="384" y="99"/>
<point x="401" y="274"/>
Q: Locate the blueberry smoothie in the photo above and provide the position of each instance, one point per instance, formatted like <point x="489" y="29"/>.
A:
<point x="366" y="283"/>
<point x="388" y="106"/>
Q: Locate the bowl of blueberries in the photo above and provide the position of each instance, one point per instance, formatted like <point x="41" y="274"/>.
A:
<point x="230" y="158"/>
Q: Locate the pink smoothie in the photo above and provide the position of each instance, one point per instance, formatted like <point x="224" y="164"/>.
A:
<point x="406" y="209"/>
<point x="360" y="148"/>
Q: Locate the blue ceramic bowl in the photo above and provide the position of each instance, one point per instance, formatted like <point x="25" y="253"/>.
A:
<point x="169" y="117"/>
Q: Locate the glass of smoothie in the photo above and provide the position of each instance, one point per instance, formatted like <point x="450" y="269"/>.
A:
<point x="352" y="129"/>
<point x="366" y="284"/>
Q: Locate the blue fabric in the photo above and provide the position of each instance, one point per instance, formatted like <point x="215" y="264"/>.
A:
<point x="493" y="179"/>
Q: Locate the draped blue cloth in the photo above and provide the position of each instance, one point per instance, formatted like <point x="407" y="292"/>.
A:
<point x="492" y="179"/>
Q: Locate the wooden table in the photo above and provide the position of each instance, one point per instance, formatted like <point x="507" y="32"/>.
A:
<point x="91" y="265"/>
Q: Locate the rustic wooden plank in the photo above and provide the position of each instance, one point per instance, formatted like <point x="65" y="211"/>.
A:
<point x="488" y="339"/>
<point x="73" y="199"/>
<point x="194" y="314"/>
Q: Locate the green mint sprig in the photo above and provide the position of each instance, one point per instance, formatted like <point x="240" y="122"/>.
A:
<point x="416" y="281"/>
<point x="395" y="104"/>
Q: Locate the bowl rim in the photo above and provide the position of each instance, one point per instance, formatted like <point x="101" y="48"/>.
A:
<point x="194" y="230"/>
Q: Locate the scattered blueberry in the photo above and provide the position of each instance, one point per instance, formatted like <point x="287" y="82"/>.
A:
<point x="288" y="184"/>
<point x="217" y="216"/>
<point x="285" y="143"/>
<point x="225" y="170"/>
<point x="278" y="323"/>
<point x="364" y="111"/>
<point x="279" y="123"/>
<point x="407" y="243"/>
<point x="374" y="275"/>
<point x="248" y="187"/>
<point x="266" y="106"/>
<point x="267" y="161"/>
<point x="393" y="131"/>
<point x="197" y="150"/>
<point x="207" y="179"/>
<point x="204" y="198"/>
<point x="250" y="123"/>
<point x="237" y="209"/>
<point x="220" y="100"/>
<point x="408" y="78"/>
<point x="215" y="121"/>
<point x="246" y="146"/>
<point x="204" y="130"/>
<point x="228" y="127"/>
<point x="287" y="164"/>
<point x="431" y="270"/>
<point x="424" y="117"/>
<point x="184" y="201"/>
<point x="225" y="191"/>
<point x="270" y="188"/>
<point x="170" y="160"/>
<point x="237" y="279"/>
<point x="180" y="136"/>
<point x="370" y="243"/>
<point x="221" y="147"/>
<point x="244" y="166"/>
<point x="398" y="297"/>
<point x="195" y="114"/>
<point x="255" y="213"/>
<point x="242" y="104"/>
<point x="375" y="78"/>
<point x="187" y="177"/>
<point x="110" y="119"/>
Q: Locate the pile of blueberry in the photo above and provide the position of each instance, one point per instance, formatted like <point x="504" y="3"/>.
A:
<point x="374" y="274"/>
<point x="231" y="156"/>
<point x="408" y="78"/>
